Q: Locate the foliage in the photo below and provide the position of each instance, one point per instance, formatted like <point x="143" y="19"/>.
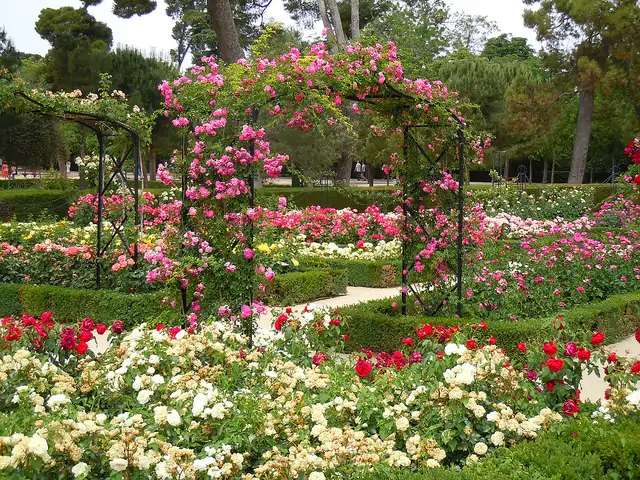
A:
<point x="304" y="287"/>
<point x="9" y="57"/>
<point x="504" y="47"/>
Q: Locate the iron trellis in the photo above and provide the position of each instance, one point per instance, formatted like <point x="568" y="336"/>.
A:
<point x="103" y="127"/>
<point x="411" y="217"/>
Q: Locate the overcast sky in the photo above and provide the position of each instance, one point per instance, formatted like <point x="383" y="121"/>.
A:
<point x="153" y="32"/>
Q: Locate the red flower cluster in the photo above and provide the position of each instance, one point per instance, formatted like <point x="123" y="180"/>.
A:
<point x="441" y="333"/>
<point x="633" y="150"/>
<point x="36" y="330"/>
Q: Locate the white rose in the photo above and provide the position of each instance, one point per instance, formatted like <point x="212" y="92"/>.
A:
<point x="173" y="418"/>
<point x="119" y="464"/>
<point x="101" y="418"/>
<point x="497" y="439"/>
<point x="39" y="447"/>
<point x="80" y="469"/>
<point x="402" y="424"/>
<point x="137" y="383"/>
<point x="493" y="416"/>
<point x="161" y="470"/>
<point x="480" y="448"/>
<point x="144" y="463"/>
<point x="154" y="359"/>
<point x="160" y="414"/>
<point x="316" y="476"/>
<point x="144" y="396"/>
<point x="157" y="379"/>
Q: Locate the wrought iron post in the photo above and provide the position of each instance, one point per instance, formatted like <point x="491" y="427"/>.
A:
<point x="461" y="139"/>
<point x="404" y="228"/>
<point x="183" y="182"/>
<point x="100" y="205"/>
<point x="136" y="201"/>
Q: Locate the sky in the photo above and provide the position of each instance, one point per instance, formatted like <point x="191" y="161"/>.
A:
<point x="152" y="33"/>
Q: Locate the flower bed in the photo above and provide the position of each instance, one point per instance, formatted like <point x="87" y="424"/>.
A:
<point x="165" y="402"/>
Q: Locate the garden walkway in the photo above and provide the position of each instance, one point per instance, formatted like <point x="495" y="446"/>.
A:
<point x="592" y="387"/>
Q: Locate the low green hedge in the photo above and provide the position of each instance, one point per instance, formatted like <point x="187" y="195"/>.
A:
<point x="361" y="273"/>
<point x="23" y="204"/>
<point x="577" y="450"/>
<point x="379" y="326"/>
<point x="69" y="305"/>
<point x="301" y="287"/>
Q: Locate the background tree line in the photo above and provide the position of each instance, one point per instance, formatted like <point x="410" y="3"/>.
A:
<point x="574" y="104"/>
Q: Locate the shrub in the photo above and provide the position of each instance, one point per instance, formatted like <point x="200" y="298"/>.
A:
<point x="30" y="203"/>
<point x="301" y="287"/>
<point x="70" y="305"/>
<point x="379" y="326"/>
<point x="360" y="273"/>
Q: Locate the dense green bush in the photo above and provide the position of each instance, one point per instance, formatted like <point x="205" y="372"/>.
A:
<point x="379" y="326"/>
<point x="359" y="198"/>
<point x="70" y="305"/>
<point x="300" y="287"/>
<point x="34" y="203"/>
<point x="360" y="273"/>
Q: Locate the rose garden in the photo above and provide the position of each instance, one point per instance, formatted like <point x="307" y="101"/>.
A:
<point x="204" y="356"/>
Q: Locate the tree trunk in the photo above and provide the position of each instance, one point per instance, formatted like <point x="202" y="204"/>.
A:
<point x="370" y="175"/>
<point x="553" y="171"/>
<point x="530" y="170"/>
<point x="336" y="21"/>
<point x="152" y="164"/>
<point x="326" y="24"/>
<point x="62" y="164"/>
<point x="583" y="134"/>
<point x="343" y="169"/>
<point x="545" y="171"/>
<point x="225" y="28"/>
<point x="355" y="20"/>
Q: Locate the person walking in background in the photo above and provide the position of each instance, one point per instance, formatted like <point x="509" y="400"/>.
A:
<point x="358" y="170"/>
<point x="5" y="170"/>
<point x="14" y="172"/>
<point x="364" y="170"/>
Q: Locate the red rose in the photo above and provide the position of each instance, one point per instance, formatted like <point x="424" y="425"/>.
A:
<point x="612" y="358"/>
<point x="101" y="328"/>
<point x="440" y="354"/>
<point x="289" y="310"/>
<point x="638" y="336"/>
<point x="555" y="364"/>
<point x="363" y="368"/>
<point x="159" y="327"/>
<point x="635" y="368"/>
<point x="280" y="321"/>
<point x="117" y="326"/>
<point x="570" y="349"/>
<point x="408" y="341"/>
<point x="84" y="336"/>
<point x="549" y="348"/>
<point x="522" y="347"/>
<point x="81" y="348"/>
<point x="492" y="340"/>
<point x="345" y="337"/>
<point x="46" y="317"/>
<point x="471" y="344"/>
<point x="597" y="338"/>
<point x="319" y="357"/>
<point x="87" y="325"/>
<point x="570" y="408"/>
<point x="421" y="334"/>
<point x="584" y="354"/>
<point x="68" y="342"/>
<point x="551" y="385"/>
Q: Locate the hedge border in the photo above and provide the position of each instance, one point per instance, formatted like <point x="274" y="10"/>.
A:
<point x="361" y="273"/>
<point x="301" y="287"/>
<point x="377" y="325"/>
<point x="69" y="305"/>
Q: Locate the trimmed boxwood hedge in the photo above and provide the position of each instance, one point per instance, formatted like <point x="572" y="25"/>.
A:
<point x="377" y="325"/>
<point x="69" y="305"/>
<point x="22" y="204"/>
<point x="301" y="287"/>
<point x="360" y="273"/>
